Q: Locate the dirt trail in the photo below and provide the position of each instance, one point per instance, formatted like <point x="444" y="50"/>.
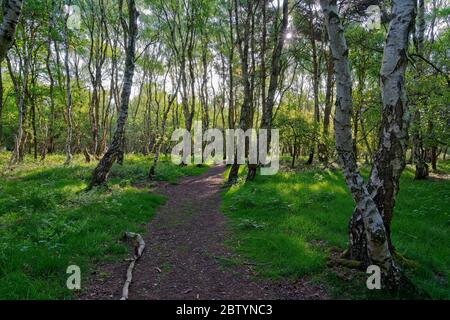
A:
<point x="185" y="254"/>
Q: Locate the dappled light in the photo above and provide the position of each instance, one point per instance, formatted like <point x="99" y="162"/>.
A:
<point x="254" y="150"/>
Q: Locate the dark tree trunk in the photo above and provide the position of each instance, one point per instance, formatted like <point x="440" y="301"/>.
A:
<point x="243" y="46"/>
<point x="316" y="82"/>
<point x="160" y="139"/>
<point x="231" y="113"/>
<point x="103" y="168"/>
<point x="33" y="118"/>
<point x="275" y="69"/>
<point x="50" y="136"/>
<point x="21" y="100"/>
<point x="434" y="157"/>
<point x="68" y="93"/>
<point x="1" y="105"/>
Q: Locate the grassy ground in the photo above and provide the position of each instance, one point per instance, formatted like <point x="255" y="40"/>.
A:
<point x="289" y="223"/>
<point x="48" y="221"/>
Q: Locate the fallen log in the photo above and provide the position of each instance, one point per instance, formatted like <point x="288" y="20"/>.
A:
<point x="139" y="246"/>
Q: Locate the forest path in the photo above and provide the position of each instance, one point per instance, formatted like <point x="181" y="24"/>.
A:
<point x="185" y="255"/>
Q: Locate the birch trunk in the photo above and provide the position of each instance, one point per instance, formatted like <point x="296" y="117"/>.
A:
<point x="389" y="161"/>
<point x="243" y="48"/>
<point x="1" y="105"/>
<point x="160" y="140"/>
<point x="11" y="16"/>
<point x="266" y="121"/>
<point x="68" y="93"/>
<point x="418" y="149"/>
<point x="21" y="96"/>
<point x="50" y="140"/>
<point x="328" y="95"/>
<point x="231" y="113"/>
<point x="370" y="224"/>
<point x="102" y="170"/>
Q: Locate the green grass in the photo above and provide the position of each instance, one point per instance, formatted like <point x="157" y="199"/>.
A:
<point x="48" y="221"/>
<point x="288" y="223"/>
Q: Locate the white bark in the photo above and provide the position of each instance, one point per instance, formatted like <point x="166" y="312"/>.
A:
<point x="375" y="233"/>
<point x="389" y="161"/>
<point x="103" y="168"/>
<point x="138" y="250"/>
<point x="418" y="150"/>
<point x="11" y="16"/>
<point x="68" y="92"/>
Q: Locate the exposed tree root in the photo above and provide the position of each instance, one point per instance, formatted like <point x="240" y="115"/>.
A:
<point x="405" y="262"/>
<point x="139" y="246"/>
<point x="344" y="260"/>
<point x="338" y="258"/>
<point x="353" y="264"/>
<point x="87" y="155"/>
<point x="345" y="254"/>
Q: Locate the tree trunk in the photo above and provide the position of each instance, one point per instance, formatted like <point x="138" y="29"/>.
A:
<point x="204" y="85"/>
<point x="33" y="114"/>
<point x="243" y="46"/>
<point x="316" y="82"/>
<point x="323" y="147"/>
<point x="389" y="161"/>
<point x="103" y="168"/>
<point x="328" y="95"/>
<point x="68" y="93"/>
<point x="11" y="16"/>
<point x="418" y="151"/>
<point x="50" y="140"/>
<point x="21" y="95"/>
<point x="1" y="105"/>
<point x="97" y="55"/>
<point x="370" y="224"/>
<point x="266" y="120"/>
<point x="231" y="113"/>
<point x="434" y="157"/>
<point x="158" y="145"/>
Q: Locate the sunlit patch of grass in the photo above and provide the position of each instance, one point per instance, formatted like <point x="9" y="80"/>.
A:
<point x="49" y="221"/>
<point x="294" y="220"/>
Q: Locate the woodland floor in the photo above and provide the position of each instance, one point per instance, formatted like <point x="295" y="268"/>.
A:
<point x="186" y="255"/>
<point x="270" y="238"/>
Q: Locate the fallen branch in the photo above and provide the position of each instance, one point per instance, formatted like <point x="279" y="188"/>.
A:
<point x="139" y="246"/>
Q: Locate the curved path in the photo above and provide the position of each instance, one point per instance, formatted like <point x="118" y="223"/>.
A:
<point x="185" y="256"/>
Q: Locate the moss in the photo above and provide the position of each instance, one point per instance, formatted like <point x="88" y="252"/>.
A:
<point x="353" y="264"/>
<point x="405" y="262"/>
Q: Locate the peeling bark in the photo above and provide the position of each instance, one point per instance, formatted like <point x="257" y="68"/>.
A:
<point x="389" y="161"/>
<point x="11" y="16"/>
<point x="370" y="224"/>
